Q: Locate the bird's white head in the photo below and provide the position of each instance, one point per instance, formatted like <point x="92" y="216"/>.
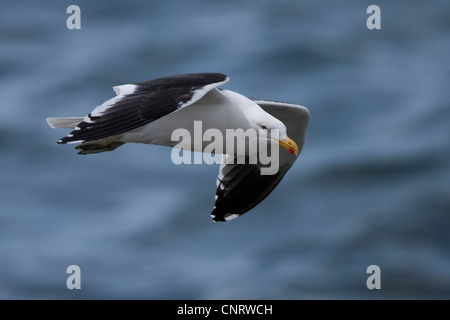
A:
<point x="267" y="123"/>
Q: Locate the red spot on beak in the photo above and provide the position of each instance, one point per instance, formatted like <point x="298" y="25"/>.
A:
<point x="291" y="150"/>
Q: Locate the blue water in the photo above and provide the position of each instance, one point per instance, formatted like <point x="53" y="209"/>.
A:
<point x="372" y="185"/>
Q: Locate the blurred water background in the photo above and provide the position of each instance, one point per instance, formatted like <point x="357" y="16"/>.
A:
<point x="372" y="185"/>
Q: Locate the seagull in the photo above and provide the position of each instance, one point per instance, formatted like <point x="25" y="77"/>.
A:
<point x="148" y="112"/>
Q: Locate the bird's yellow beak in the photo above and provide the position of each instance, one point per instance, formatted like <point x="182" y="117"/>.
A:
<point x="289" y="145"/>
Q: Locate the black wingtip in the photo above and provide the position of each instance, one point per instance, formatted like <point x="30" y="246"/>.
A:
<point x="218" y="215"/>
<point x="218" y="219"/>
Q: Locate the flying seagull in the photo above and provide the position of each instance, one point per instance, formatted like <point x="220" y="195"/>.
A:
<point x="148" y="112"/>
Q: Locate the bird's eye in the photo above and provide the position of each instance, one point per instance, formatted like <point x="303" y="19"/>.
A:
<point x="264" y="127"/>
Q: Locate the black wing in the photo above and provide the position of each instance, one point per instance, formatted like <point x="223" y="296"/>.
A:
<point x="143" y="103"/>
<point x="240" y="187"/>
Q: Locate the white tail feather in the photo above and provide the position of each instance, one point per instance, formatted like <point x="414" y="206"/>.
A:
<point x="60" y="122"/>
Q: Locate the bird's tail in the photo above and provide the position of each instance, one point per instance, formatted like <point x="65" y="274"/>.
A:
<point x="86" y="147"/>
<point x="64" y="122"/>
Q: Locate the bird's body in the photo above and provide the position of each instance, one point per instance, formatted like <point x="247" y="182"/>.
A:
<point x="218" y="109"/>
<point x="150" y="112"/>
